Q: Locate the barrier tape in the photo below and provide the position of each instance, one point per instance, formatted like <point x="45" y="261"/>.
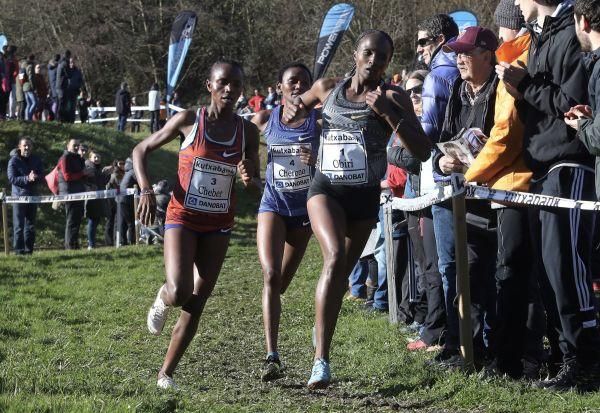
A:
<point x="484" y="193"/>
<point x="80" y="196"/>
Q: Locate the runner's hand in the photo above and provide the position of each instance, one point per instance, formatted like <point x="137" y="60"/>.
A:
<point x="377" y="101"/>
<point x="147" y="209"/>
<point x="448" y="165"/>
<point x="245" y="170"/>
<point x="293" y="111"/>
<point x="307" y="156"/>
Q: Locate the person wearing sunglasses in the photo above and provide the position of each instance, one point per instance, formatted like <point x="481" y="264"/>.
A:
<point x="414" y="88"/>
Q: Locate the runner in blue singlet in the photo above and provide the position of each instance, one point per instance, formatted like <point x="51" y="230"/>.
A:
<point x="283" y="224"/>
<point x="359" y="115"/>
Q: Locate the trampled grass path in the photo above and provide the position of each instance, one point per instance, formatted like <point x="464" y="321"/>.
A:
<point x="73" y="339"/>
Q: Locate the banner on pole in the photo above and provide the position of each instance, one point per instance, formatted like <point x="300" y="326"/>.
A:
<point x="335" y="24"/>
<point x="179" y="43"/>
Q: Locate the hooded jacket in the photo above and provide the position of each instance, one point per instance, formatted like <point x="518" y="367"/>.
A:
<point x="555" y="82"/>
<point x="123" y="102"/>
<point x="500" y="163"/>
<point x="589" y="129"/>
<point x="71" y="176"/>
<point x="436" y="94"/>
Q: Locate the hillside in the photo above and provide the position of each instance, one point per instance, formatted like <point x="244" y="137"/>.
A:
<point x="49" y="142"/>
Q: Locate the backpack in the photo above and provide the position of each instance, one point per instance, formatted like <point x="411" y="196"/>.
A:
<point x="52" y="180"/>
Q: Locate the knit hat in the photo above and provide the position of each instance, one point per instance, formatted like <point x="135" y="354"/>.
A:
<point x="508" y="15"/>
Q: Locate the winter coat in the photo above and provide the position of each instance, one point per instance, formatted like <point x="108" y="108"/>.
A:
<point x="500" y="163"/>
<point x="30" y="73"/>
<point x="71" y="176"/>
<point x="459" y="112"/>
<point x="62" y="77"/>
<point x="129" y="180"/>
<point x="589" y="129"/>
<point x="18" y="171"/>
<point x="123" y="102"/>
<point x="555" y="82"/>
<point x="52" y="71"/>
<point x="436" y="93"/>
<point x="75" y="83"/>
<point x="95" y="181"/>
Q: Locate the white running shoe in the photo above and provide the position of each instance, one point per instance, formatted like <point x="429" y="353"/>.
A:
<point x="166" y="383"/>
<point x="157" y="315"/>
<point x="321" y="375"/>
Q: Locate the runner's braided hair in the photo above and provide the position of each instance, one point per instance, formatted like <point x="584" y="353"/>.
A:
<point x="360" y="39"/>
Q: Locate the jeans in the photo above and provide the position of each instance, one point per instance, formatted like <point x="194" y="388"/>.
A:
<point x="125" y="223"/>
<point x="109" y="229"/>
<point x="92" y="225"/>
<point x="154" y="118"/>
<point x="31" y="100"/>
<point x="121" y="123"/>
<point x="23" y="228"/>
<point x="358" y="278"/>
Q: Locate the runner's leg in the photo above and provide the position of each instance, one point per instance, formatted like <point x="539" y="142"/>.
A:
<point x="210" y="254"/>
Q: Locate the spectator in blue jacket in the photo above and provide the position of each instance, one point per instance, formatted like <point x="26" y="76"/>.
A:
<point x="25" y="171"/>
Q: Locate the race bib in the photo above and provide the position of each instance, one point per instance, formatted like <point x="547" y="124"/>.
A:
<point x="343" y="158"/>
<point x="290" y="174"/>
<point x="210" y="186"/>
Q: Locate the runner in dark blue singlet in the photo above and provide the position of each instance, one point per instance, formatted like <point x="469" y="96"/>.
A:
<point x="359" y="115"/>
<point x="283" y="224"/>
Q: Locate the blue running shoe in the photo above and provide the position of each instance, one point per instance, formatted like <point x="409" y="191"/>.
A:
<point x="320" y="376"/>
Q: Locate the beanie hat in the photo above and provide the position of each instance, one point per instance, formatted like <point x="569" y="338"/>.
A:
<point x="508" y="15"/>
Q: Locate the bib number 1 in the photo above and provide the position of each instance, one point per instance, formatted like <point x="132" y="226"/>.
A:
<point x="343" y="158"/>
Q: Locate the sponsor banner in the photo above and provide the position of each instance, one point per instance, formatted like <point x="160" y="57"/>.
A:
<point x="211" y="184"/>
<point x="81" y="196"/>
<point x="290" y="174"/>
<point x="335" y="23"/>
<point x="179" y="44"/>
<point x="343" y="157"/>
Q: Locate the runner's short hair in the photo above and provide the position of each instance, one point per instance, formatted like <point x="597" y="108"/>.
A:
<point x="285" y="68"/>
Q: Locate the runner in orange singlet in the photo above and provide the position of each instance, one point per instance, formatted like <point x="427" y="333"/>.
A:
<point x="200" y="216"/>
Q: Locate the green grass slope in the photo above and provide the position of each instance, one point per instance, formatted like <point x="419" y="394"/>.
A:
<point x="49" y="142"/>
<point x="73" y="339"/>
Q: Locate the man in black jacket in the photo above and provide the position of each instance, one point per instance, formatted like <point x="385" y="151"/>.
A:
<point x="123" y="106"/>
<point x="553" y="81"/>
<point x="25" y="171"/>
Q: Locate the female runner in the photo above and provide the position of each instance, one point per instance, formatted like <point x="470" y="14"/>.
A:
<point x="201" y="212"/>
<point x="283" y="225"/>
<point x="359" y="115"/>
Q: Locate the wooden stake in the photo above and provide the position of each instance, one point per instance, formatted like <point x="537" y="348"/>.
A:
<point x="5" y="225"/>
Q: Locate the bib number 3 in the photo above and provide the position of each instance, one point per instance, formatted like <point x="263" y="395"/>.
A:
<point x="210" y="186"/>
<point x="343" y="157"/>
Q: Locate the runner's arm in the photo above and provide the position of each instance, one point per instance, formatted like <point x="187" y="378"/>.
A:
<point x="178" y="123"/>
<point x="260" y="119"/>
<point x="303" y="104"/>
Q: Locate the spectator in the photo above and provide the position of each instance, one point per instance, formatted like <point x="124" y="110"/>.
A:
<point x="433" y="33"/>
<point x="97" y="112"/>
<point x="471" y="105"/>
<point x="123" y="106"/>
<point x="83" y="104"/>
<point x="553" y="82"/>
<point x="71" y="178"/>
<point x="271" y="98"/>
<point x="74" y="85"/>
<point x="61" y="86"/>
<point x="95" y="209"/>
<point x="175" y="101"/>
<point x="116" y="171"/>
<point x="154" y="107"/>
<point x="29" y="88"/>
<point x="25" y="171"/>
<point x="241" y="106"/>
<point x="500" y="165"/>
<point x="414" y="87"/>
<point x="396" y="80"/>
<point x="41" y="91"/>
<point x="4" y="83"/>
<point x="83" y="150"/>
<point x="125" y="213"/>
<point x="256" y="101"/>
<point x="138" y="115"/>
<point x="52" y="72"/>
<point x="12" y="71"/>
<point x="20" y="94"/>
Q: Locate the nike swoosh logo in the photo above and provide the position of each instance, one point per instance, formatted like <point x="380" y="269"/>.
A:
<point x="304" y="138"/>
<point x="229" y="155"/>
<point x="305" y="223"/>
<point x="226" y="230"/>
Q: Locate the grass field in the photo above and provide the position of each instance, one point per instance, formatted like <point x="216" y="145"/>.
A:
<point x="73" y="339"/>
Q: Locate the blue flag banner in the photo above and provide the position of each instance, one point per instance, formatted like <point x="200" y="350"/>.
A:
<point x="464" y="19"/>
<point x="335" y="23"/>
<point x="3" y="41"/>
<point x="181" y="38"/>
